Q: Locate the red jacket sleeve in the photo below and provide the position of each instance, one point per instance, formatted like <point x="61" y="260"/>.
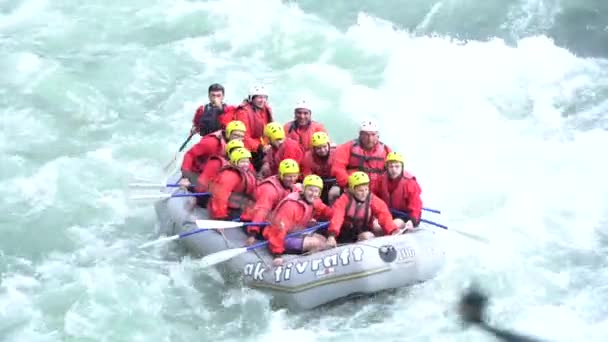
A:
<point x="337" y="217"/>
<point x="266" y="199"/>
<point x="321" y="212"/>
<point x="209" y="172"/>
<point x="382" y="213"/>
<point x="414" y="201"/>
<point x="306" y="165"/>
<point x="197" y="117"/>
<point x="221" y="188"/>
<point x="227" y="116"/>
<point x="340" y="162"/>
<point x="207" y="146"/>
<point x="283" y="221"/>
<point x="292" y="150"/>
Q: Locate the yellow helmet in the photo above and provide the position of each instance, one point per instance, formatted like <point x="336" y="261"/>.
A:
<point x="394" y="157"/>
<point x="235" y="125"/>
<point x="274" y="131"/>
<point x="232" y="144"/>
<point x="319" y="139"/>
<point x="238" y="154"/>
<point x="288" y="166"/>
<point x="357" y="178"/>
<point x="313" y="180"/>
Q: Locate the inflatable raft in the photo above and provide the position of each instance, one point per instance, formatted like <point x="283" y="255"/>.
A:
<point x="308" y="281"/>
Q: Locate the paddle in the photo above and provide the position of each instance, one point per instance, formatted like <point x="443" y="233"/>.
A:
<point x="469" y="235"/>
<point x="219" y="257"/>
<point x="152" y="185"/>
<point x="208" y="225"/>
<point x="161" y="196"/>
<point x="181" y="148"/>
<point x="472" y="311"/>
<point x="218" y="224"/>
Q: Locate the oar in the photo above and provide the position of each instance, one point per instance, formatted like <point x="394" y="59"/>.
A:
<point x="152" y="185"/>
<point x="469" y="235"/>
<point x="218" y="224"/>
<point x="207" y="227"/>
<point x="219" y="257"/>
<point x="161" y="196"/>
<point x="472" y="309"/>
<point x="181" y="148"/>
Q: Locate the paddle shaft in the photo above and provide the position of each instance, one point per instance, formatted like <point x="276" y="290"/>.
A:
<point x="401" y="213"/>
<point x="186" y="142"/>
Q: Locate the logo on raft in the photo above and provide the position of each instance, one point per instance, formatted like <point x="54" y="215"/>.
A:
<point x="329" y="262"/>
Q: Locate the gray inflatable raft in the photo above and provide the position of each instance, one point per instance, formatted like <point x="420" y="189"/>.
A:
<point x="308" y="281"/>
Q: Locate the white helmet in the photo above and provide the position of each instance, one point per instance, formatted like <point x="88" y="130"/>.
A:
<point x="368" y="126"/>
<point x="257" y="89"/>
<point x="303" y="104"/>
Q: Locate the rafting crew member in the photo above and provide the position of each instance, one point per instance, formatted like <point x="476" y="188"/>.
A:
<point x="355" y="211"/>
<point x="302" y="127"/>
<point x="214" y="115"/>
<point x="280" y="149"/>
<point x="213" y="166"/>
<point x="233" y="189"/>
<point x="400" y="191"/>
<point x="296" y="212"/>
<point x="211" y="144"/>
<point x="365" y="153"/>
<point x="318" y="161"/>
<point x="268" y="194"/>
<point x="256" y="114"/>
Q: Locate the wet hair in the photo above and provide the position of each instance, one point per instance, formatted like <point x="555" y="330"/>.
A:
<point x="216" y="87"/>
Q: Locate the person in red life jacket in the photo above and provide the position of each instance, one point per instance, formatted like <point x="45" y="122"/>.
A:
<point x="214" y="164"/>
<point x="280" y="149"/>
<point x="233" y="189"/>
<point x="365" y="154"/>
<point x="318" y="161"/>
<point x="302" y="127"/>
<point x="268" y="194"/>
<point x="213" y="116"/>
<point x="400" y="191"/>
<point x="355" y="212"/>
<point x="295" y="212"/>
<point x="211" y="144"/>
<point x="256" y="114"/>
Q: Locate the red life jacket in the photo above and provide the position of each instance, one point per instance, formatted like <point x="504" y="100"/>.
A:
<point x="204" y="179"/>
<point x="320" y="166"/>
<point x="303" y="137"/>
<point x="199" y="162"/>
<point x="395" y="199"/>
<point x="256" y="127"/>
<point x="308" y="208"/>
<point x="371" y="165"/>
<point x="277" y="185"/>
<point x="209" y="120"/>
<point x="241" y="199"/>
<point x="358" y="215"/>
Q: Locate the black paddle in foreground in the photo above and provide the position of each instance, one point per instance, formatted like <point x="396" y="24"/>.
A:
<point x="472" y="311"/>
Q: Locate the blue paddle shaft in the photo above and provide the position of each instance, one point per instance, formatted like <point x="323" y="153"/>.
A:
<point x="191" y="194"/>
<point x="399" y="212"/>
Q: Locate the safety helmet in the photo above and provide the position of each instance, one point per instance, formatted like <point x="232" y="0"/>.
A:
<point x="238" y="154"/>
<point x="319" y="139"/>
<point x="232" y="144"/>
<point x="257" y="89"/>
<point x="357" y="178"/>
<point x="274" y="131"/>
<point x="368" y="126"/>
<point x="313" y="180"/>
<point x="303" y="104"/>
<point x="235" y="125"/>
<point x="288" y="166"/>
<point x="394" y="157"/>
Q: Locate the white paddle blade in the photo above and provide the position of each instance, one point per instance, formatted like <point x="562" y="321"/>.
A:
<point x="159" y="241"/>
<point x="219" y="257"/>
<point x="147" y="185"/>
<point x="150" y="197"/>
<point x="216" y="224"/>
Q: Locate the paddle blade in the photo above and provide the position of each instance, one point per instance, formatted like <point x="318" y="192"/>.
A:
<point x="216" y="224"/>
<point x="471" y="236"/>
<point x="159" y="241"/>
<point x="150" y="197"/>
<point x="219" y="257"/>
